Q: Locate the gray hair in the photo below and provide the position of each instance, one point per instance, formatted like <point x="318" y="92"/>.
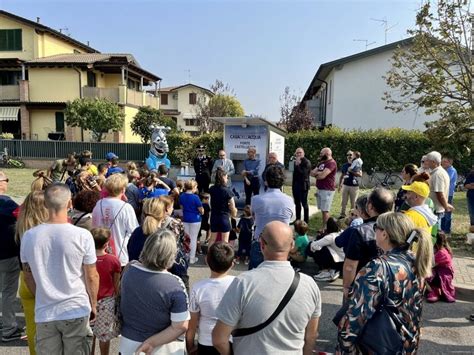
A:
<point x="434" y="156"/>
<point x="159" y="250"/>
<point x="57" y="196"/>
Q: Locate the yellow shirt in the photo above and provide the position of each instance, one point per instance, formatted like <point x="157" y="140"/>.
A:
<point x="420" y="222"/>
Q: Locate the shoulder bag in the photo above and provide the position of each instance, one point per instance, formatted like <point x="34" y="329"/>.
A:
<point x="247" y="331"/>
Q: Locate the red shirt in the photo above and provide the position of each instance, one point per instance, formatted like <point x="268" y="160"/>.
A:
<point x="329" y="182"/>
<point x="107" y="265"/>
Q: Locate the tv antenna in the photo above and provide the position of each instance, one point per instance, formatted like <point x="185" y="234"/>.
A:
<point x="66" y="31"/>
<point x="385" y="24"/>
<point x="366" y="41"/>
<point x="189" y="75"/>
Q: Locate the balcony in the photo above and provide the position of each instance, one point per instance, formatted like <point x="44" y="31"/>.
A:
<point x="111" y="94"/>
<point x="152" y="101"/>
<point x="9" y="92"/>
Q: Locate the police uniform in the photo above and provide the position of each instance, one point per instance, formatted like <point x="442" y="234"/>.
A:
<point x="202" y="168"/>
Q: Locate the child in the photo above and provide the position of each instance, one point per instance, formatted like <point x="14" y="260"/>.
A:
<point x="441" y="282"/>
<point x="244" y="228"/>
<point x="206" y="295"/>
<point x="131" y="166"/>
<point x="357" y="162"/>
<point x="178" y="213"/>
<point x="298" y="253"/>
<point x="108" y="267"/>
<point x="205" y="226"/>
<point x="102" y="171"/>
<point x="355" y="219"/>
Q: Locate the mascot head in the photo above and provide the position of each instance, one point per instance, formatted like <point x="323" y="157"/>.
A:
<point x="159" y="144"/>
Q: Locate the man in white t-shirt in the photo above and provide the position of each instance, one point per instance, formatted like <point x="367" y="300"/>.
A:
<point x="439" y="184"/>
<point x="253" y="297"/>
<point x="205" y="297"/>
<point x="59" y="266"/>
<point x="119" y="216"/>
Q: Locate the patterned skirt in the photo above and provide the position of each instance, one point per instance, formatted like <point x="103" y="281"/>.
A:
<point x="106" y="326"/>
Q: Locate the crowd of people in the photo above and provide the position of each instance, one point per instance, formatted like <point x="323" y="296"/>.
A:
<point x="105" y="251"/>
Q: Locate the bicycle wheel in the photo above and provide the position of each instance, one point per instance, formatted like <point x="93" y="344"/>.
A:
<point x="13" y="163"/>
<point x="394" y="182"/>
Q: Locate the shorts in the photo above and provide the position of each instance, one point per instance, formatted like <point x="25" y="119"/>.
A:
<point x="324" y="200"/>
<point x="105" y="326"/>
<point x="220" y="223"/>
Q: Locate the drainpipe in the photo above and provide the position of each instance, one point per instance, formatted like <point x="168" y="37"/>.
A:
<point x="80" y="96"/>
<point x="23" y="71"/>
<point x="159" y="90"/>
<point x="323" y="121"/>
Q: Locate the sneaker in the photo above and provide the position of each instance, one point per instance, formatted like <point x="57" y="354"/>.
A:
<point x="246" y="262"/>
<point x="329" y="276"/>
<point x="432" y="297"/>
<point x="236" y="261"/>
<point x="16" y="335"/>
<point x="193" y="260"/>
<point x="334" y="275"/>
<point x="322" y="275"/>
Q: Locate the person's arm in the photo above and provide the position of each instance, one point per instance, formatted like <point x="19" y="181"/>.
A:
<point x="220" y="337"/>
<point x="444" y="202"/>
<point x="91" y="277"/>
<point x="162" y="183"/>
<point x="166" y="336"/>
<point x="191" y="332"/>
<point x="231" y="169"/>
<point x="256" y="170"/>
<point x="29" y="279"/>
<point x="322" y="175"/>
<point x="201" y="210"/>
<point x="233" y="209"/>
<point x="348" y="275"/>
<point x="310" y="336"/>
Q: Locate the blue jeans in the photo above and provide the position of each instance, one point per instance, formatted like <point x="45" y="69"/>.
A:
<point x="446" y="221"/>
<point x="256" y="256"/>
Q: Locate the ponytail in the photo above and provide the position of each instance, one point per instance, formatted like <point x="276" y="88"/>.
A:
<point x="153" y="213"/>
<point x="424" y="252"/>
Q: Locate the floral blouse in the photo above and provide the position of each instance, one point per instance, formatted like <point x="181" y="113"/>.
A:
<point x="368" y="291"/>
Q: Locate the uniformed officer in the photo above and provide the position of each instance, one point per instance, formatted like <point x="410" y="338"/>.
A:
<point x="202" y="167"/>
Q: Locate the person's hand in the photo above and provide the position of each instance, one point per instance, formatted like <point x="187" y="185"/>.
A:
<point x="449" y="208"/>
<point x="93" y="314"/>
<point x="193" y="351"/>
<point x="243" y="173"/>
<point x="145" y="347"/>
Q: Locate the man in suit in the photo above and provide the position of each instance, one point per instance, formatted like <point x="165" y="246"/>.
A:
<point x="202" y="167"/>
<point x="300" y="185"/>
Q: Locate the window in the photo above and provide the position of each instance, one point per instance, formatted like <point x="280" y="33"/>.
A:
<point x="91" y="79"/>
<point x="164" y="99"/>
<point x="190" y="122"/>
<point x="192" y="98"/>
<point x="59" y="121"/>
<point x="10" y="40"/>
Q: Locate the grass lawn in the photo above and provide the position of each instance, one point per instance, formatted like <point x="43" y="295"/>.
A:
<point x="20" y="182"/>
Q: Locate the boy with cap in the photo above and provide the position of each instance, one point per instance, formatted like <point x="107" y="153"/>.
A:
<point x="112" y="158"/>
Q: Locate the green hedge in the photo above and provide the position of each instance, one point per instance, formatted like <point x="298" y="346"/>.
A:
<point x="384" y="149"/>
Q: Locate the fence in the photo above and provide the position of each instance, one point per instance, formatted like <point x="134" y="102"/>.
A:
<point x="26" y="149"/>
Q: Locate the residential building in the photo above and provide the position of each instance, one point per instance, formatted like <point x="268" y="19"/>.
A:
<point x="348" y="92"/>
<point x="41" y="69"/>
<point x="181" y="103"/>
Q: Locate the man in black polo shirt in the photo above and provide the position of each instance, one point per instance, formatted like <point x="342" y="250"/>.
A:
<point x="362" y="247"/>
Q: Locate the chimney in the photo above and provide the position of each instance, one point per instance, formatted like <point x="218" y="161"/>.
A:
<point x="88" y="43"/>
<point x="37" y="20"/>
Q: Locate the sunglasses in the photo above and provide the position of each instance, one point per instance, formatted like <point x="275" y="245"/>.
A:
<point x="377" y="227"/>
<point x="6" y="180"/>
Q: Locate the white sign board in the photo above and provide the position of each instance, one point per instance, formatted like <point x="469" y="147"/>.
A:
<point x="277" y="145"/>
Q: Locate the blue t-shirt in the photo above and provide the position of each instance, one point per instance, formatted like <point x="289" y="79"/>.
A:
<point x="155" y="192"/>
<point x="150" y="301"/>
<point x="114" y="170"/>
<point x="190" y="203"/>
<point x="349" y="178"/>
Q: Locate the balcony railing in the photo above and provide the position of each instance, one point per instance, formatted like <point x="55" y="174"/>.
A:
<point x="111" y="94"/>
<point x="10" y="93"/>
<point x="152" y="101"/>
<point x="134" y="97"/>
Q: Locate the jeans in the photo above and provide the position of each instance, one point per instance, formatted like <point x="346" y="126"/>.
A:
<point x="256" y="256"/>
<point x="301" y="199"/>
<point x="446" y="221"/>
<point x="9" y="278"/>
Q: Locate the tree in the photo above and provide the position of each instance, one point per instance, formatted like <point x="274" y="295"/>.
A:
<point x="294" y="116"/>
<point x="145" y="118"/>
<point x="97" y="115"/>
<point x="433" y="72"/>
<point x="222" y="104"/>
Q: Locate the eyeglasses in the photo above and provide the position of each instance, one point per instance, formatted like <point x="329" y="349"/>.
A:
<point x="221" y="156"/>
<point x="349" y="155"/>
<point x="6" y="180"/>
<point x="377" y="227"/>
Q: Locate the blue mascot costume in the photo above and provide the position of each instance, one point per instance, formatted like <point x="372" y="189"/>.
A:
<point x="158" y="149"/>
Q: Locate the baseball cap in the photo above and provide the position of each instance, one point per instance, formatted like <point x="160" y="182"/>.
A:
<point x="418" y="187"/>
<point x="110" y="156"/>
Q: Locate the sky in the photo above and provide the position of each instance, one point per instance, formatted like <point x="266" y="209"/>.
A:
<point x="258" y="47"/>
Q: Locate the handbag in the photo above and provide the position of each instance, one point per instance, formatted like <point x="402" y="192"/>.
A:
<point x="382" y="332"/>
<point x="247" y="331"/>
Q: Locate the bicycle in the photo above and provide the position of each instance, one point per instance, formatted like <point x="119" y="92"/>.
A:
<point x="10" y="162"/>
<point x="390" y="180"/>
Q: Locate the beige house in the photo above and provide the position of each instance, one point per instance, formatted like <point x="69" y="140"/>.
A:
<point x="181" y="104"/>
<point x="41" y="69"/>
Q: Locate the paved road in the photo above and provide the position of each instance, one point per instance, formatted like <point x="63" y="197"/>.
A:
<point x="445" y="327"/>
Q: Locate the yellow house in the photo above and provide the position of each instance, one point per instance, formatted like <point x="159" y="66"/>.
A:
<point x="181" y="103"/>
<point x="42" y="69"/>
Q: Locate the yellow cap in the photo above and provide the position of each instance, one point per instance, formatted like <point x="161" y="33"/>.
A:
<point x="418" y="187"/>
